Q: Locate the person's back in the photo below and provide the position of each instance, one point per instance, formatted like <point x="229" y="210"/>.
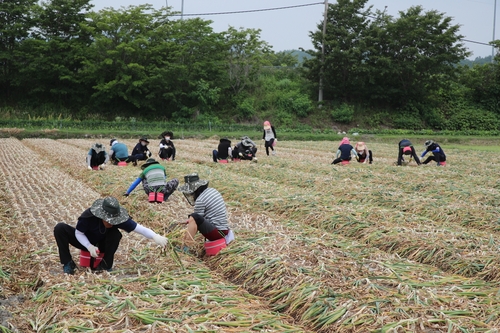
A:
<point x="211" y="206"/>
<point x="120" y="150"/>
<point x="223" y="149"/>
<point x="154" y="175"/>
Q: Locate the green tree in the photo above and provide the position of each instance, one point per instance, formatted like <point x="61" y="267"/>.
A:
<point x="16" y="21"/>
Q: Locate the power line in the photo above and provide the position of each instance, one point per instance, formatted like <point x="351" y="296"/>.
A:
<point x="252" y="10"/>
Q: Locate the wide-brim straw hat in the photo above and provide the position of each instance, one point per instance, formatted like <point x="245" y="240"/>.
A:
<point x="149" y="162"/>
<point x="144" y="139"/>
<point x="192" y="183"/>
<point x="98" y="147"/>
<point x="360" y="146"/>
<point x="109" y="210"/>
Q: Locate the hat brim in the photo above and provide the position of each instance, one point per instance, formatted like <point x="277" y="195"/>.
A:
<point x="189" y="188"/>
<point x="361" y="147"/>
<point x="144" y="140"/>
<point x="267" y="127"/>
<point x="97" y="210"/>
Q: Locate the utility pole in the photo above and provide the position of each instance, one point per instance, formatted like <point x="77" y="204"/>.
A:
<point x="325" y="16"/>
<point x="182" y="10"/>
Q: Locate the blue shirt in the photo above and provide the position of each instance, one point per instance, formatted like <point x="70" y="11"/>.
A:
<point x="120" y="150"/>
<point x="95" y="230"/>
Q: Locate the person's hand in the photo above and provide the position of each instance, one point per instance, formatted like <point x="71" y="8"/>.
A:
<point x="160" y="240"/>
<point x="89" y="167"/>
<point x="276" y="140"/>
<point x="93" y="251"/>
<point x="125" y="194"/>
<point x="149" y="153"/>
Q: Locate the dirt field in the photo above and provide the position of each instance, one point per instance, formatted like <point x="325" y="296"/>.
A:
<point x="319" y="248"/>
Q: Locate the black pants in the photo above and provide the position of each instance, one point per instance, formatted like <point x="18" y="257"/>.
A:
<point x="338" y="160"/>
<point x="65" y="235"/>
<point x="269" y="144"/>
<point x="167" y="153"/>
<point x="436" y="157"/>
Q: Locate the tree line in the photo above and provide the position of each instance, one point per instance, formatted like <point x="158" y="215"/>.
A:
<point x="405" y="71"/>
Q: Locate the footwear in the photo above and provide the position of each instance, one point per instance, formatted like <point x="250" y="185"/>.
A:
<point x="274" y="153"/>
<point x="134" y="163"/>
<point x="69" y="268"/>
<point x="100" y="268"/>
<point x="254" y="159"/>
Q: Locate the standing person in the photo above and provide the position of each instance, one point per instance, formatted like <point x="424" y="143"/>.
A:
<point x="223" y="151"/>
<point x="141" y="151"/>
<point x="344" y="151"/>
<point x="154" y="179"/>
<point x="97" y="231"/>
<point x="438" y="154"/>
<point x="167" y="148"/>
<point x="270" y="137"/>
<point x="118" y="152"/>
<point x="210" y="214"/>
<point x="406" y="148"/>
<point x="364" y="154"/>
<point x="97" y="157"/>
<point x="245" y="149"/>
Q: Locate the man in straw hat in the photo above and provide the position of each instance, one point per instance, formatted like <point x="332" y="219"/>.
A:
<point x="154" y="179"/>
<point x="438" y="154"/>
<point x="209" y="216"/>
<point x="141" y="151"/>
<point x="364" y="155"/>
<point x="97" y="231"/>
<point x="97" y="157"/>
<point x="167" y="147"/>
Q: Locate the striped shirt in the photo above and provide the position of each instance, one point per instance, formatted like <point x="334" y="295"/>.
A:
<point x="211" y="206"/>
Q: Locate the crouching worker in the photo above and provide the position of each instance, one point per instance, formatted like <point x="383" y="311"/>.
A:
<point x="344" y="152"/>
<point x="209" y="216"/>
<point x="154" y="179"/>
<point x="438" y="154"/>
<point x="406" y="148"/>
<point x="245" y="149"/>
<point x="97" y="230"/>
<point x="364" y="155"/>
<point x="97" y="157"/>
<point x="223" y="151"/>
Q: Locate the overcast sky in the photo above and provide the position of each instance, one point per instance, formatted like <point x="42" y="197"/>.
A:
<point x="287" y="29"/>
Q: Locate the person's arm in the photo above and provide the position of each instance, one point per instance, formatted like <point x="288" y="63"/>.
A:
<point x="274" y="132"/>
<point x="133" y="186"/>
<point x="150" y="234"/>
<point x="338" y="153"/>
<point x="423" y="153"/>
<point x="80" y="236"/>
<point x="88" y="160"/>
<point x="107" y="158"/>
<point x="353" y="151"/>
<point x="264" y="135"/>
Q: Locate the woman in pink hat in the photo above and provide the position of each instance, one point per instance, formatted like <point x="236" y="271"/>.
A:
<point x="270" y="137"/>
<point x="344" y="151"/>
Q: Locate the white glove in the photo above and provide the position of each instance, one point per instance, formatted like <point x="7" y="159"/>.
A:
<point x="160" y="240"/>
<point x="103" y="166"/>
<point x="89" y="167"/>
<point x="276" y="140"/>
<point x="93" y="251"/>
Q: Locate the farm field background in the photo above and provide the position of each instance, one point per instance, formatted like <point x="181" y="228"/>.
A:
<point x="319" y="248"/>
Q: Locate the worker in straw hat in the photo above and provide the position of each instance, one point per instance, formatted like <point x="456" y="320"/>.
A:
<point x="97" y="156"/>
<point x="245" y="149"/>
<point x="364" y="155"/>
<point x="154" y="179"/>
<point x="209" y="216"/>
<point x="167" y="147"/>
<point x="97" y="230"/>
<point x="141" y="151"/>
<point x="438" y="154"/>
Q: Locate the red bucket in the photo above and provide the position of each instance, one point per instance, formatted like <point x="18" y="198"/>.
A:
<point x="214" y="247"/>
<point x="345" y="162"/>
<point x="159" y="197"/>
<point x="236" y="160"/>
<point x="86" y="259"/>
<point x="95" y="167"/>
<point x="223" y="161"/>
<point x="442" y="163"/>
<point x="152" y="196"/>
<point x="122" y="163"/>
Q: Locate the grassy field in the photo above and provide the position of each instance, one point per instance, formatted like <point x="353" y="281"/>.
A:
<point x="319" y="248"/>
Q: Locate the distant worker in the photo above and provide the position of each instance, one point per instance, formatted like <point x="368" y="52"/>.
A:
<point x="141" y="151"/>
<point x="118" y="152"/>
<point x="167" y="147"/>
<point x="269" y="137"/>
<point x="223" y="151"/>
<point x="344" y="152"/>
<point x="438" y="154"/>
<point x="364" y="155"/>
<point x="245" y="149"/>
<point x="97" y="157"/>
<point x="405" y="147"/>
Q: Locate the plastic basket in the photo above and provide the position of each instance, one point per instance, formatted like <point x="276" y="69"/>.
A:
<point x="345" y="162"/>
<point x="86" y="259"/>
<point x="214" y="247"/>
<point x="223" y="161"/>
<point x="122" y="163"/>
